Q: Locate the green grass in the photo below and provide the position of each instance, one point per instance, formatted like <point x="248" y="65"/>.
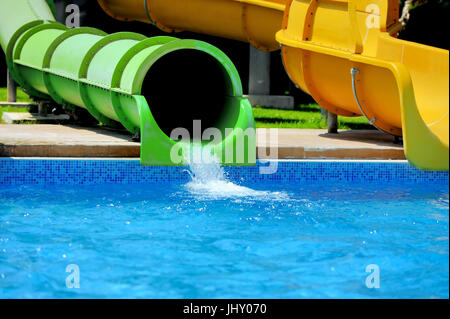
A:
<point x="303" y="117"/>
<point x="306" y="116"/>
<point x="21" y="97"/>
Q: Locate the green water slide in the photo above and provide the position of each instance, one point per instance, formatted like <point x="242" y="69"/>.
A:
<point x="151" y="86"/>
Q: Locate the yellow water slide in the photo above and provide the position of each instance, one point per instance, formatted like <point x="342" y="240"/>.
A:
<point x="342" y="52"/>
<point x="253" y="21"/>
<point x="345" y="54"/>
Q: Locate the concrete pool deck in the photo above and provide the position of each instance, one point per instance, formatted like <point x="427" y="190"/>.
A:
<point x="45" y="140"/>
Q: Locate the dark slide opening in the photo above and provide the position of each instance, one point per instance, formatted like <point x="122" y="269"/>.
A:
<point x="184" y="86"/>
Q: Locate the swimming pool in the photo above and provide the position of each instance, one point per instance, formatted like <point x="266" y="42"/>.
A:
<point x="314" y="229"/>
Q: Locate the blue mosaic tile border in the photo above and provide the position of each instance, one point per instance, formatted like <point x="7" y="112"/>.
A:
<point x="78" y="172"/>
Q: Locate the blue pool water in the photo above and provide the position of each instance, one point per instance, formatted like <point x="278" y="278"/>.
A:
<point x="268" y="238"/>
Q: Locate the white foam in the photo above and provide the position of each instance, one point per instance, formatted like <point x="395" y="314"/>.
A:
<point x="210" y="182"/>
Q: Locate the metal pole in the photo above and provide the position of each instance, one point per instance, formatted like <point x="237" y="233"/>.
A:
<point x="42" y="108"/>
<point x="11" y="93"/>
<point x="333" y="123"/>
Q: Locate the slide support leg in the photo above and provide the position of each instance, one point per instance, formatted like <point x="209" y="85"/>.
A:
<point x="11" y="93"/>
<point x="332" y="123"/>
<point x="259" y="82"/>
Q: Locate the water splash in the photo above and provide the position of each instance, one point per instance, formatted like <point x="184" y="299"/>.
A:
<point x="209" y="180"/>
